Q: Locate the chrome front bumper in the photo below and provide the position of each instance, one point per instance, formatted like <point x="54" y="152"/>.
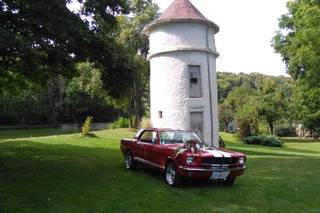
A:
<point x="213" y="168"/>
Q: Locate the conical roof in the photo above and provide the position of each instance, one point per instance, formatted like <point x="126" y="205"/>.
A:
<point x="181" y="11"/>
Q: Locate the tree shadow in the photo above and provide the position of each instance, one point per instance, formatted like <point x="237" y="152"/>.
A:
<point x="273" y="151"/>
<point x="300" y="140"/>
<point x="29" y="133"/>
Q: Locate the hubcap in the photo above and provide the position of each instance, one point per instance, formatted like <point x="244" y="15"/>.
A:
<point x="128" y="161"/>
<point x="170" y="174"/>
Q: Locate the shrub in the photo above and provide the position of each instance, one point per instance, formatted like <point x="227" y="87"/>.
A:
<point x="244" y="127"/>
<point x="246" y="120"/>
<point x="264" y="140"/>
<point x="123" y="122"/>
<point x="120" y="123"/>
<point x="85" y="129"/>
<point x="288" y="131"/>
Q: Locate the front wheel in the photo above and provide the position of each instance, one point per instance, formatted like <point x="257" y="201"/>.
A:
<point x="172" y="176"/>
<point x="129" y="162"/>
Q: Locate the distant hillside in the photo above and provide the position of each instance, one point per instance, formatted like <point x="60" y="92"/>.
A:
<point x="229" y="81"/>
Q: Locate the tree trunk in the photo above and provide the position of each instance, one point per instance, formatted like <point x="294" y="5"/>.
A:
<point x="135" y="107"/>
<point x="130" y="121"/>
<point x="226" y="126"/>
<point x="271" y="127"/>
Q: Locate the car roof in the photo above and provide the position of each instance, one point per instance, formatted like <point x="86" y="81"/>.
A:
<point x="163" y="129"/>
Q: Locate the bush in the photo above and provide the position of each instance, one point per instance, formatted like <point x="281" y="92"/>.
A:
<point x="264" y="140"/>
<point x="246" y="120"/>
<point x="285" y="131"/>
<point x="120" y="123"/>
<point x="244" y="127"/>
<point x="85" y="129"/>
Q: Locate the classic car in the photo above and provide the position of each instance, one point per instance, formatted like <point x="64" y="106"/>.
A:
<point x="181" y="154"/>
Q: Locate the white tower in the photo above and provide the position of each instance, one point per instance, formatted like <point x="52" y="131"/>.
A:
<point x="183" y="71"/>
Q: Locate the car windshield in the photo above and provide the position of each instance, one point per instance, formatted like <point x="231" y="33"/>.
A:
<point x="172" y="137"/>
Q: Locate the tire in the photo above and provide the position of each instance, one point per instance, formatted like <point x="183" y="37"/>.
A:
<point x="129" y="162"/>
<point x="230" y="181"/>
<point x="172" y="176"/>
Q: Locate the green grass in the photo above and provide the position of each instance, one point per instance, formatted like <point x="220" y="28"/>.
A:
<point x="27" y="133"/>
<point x="308" y="140"/>
<point x="68" y="173"/>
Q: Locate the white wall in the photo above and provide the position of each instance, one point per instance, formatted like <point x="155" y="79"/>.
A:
<point x="170" y="77"/>
<point x="180" y="35"/>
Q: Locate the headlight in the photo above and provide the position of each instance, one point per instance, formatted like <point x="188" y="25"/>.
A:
<point x="189" y="160"/>
<point x="242" y="160"/>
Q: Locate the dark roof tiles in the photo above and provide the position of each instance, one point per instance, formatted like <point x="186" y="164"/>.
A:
<point x="182" y="9"/>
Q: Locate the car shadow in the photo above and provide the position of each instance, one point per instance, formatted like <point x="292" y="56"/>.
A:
<point x="188" y="183"/>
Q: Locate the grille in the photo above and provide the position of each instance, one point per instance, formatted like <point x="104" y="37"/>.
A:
<point x="220" y="160"/>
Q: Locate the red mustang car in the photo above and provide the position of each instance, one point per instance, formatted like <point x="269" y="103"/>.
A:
<point x="181" y="154"/>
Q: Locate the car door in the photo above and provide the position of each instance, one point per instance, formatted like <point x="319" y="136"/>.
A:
<point x="145" y="145"/>
<point x="155" y="152"/>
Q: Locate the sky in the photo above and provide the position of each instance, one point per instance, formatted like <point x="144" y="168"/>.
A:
<point x="246" y="31"/>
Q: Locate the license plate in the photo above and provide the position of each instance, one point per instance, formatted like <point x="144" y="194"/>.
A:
<point x="219" y="174"/>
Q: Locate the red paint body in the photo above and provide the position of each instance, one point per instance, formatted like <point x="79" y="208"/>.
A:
<point x="158" y="155"/>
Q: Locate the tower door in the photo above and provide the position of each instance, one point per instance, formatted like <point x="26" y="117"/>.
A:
<point x="196" y="122"/>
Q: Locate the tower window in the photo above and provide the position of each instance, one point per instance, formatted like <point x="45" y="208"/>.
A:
<point x="160" y="114"/>
<point x="195" y="83"/>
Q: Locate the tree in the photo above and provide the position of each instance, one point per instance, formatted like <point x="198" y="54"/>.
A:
<point x="85" y="96"/>
<point x="307" y="102"/>
<point x="226" y="83"/>
<point x="226" y="115"/>
<point x="88" y="80"/>
<point x="135" y="47"/>
<point x="239" y="96"/>
<point x="98" y="53"/>
<point x="44" y="39"/>
<point x="272" y="104"/>
<point x="61" y="101"/>
<point x="242" y="102"/>
<point x="246" y="117"/>
<point x="298" y="42"/>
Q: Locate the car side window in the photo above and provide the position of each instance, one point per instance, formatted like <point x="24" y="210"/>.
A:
<point x="148" y="136"/>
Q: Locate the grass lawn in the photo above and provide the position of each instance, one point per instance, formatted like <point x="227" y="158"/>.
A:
<point x="28" y="133"/>
<point x="67" y="173"/>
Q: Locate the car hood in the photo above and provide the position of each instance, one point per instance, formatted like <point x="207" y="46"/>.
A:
<point x="208" y="152"/>
<point x="218" y="152"/>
